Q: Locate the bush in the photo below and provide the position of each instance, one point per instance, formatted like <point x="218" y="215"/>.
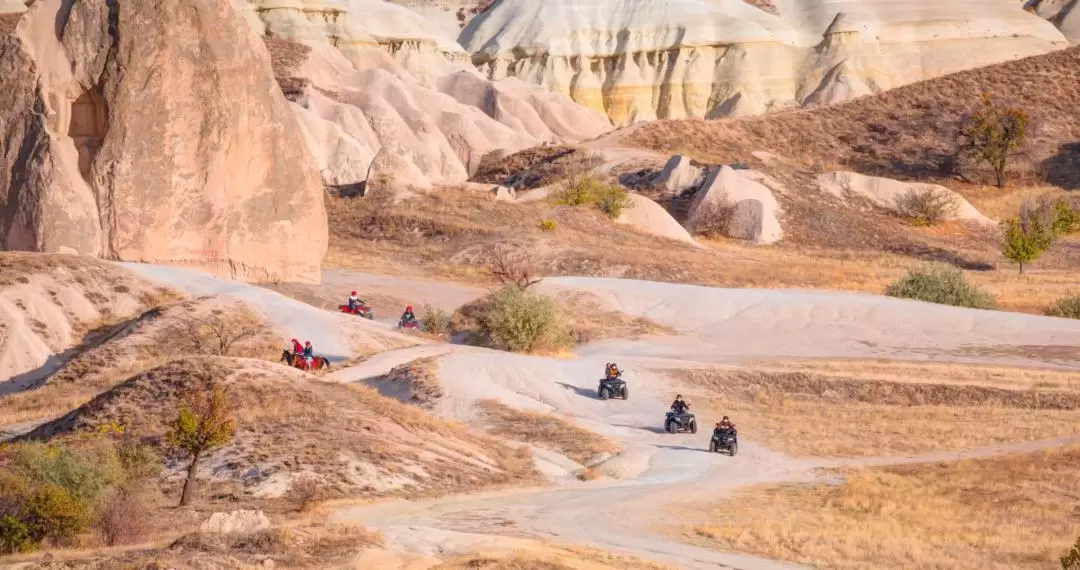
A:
<point x="436" y="321"/>
<point x="1067" y="308"/>
<point x="15" y="536"/>
<point x="940" y="284"/>
<point x="304" y="492"/>
<point x="547" y="225"/>
<point x="582" y="189"/>
<point x="1071" y="560"/>
<point x="1066" y="218"/>
<point x="125" y="519"/>
<point x="523" y="322"/>
<point x="53" y="513"/>
<point x="84" y="476"/>
<point x="1026" y="237"/>
<point x="927" y="206"/>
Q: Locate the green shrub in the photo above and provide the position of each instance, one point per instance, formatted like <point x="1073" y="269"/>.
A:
<point x="940" y="284"/>
<point x="547" y="225"/>
<point x="523" y="322"/>
<point x="1066" y="218"/>
<point x="15" y="536"/>
<point x="54" y="513"/>
<point x="588" y="190"/>
<point x="435" y="321"/>
<point x="84" y="475"/>
<point x="1068" y="308"/>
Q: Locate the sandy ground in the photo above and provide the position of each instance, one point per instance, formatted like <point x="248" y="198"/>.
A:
<point x="655" y="471"/>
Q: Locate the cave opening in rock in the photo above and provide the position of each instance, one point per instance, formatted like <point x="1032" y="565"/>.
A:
<point x="89" y="123"/>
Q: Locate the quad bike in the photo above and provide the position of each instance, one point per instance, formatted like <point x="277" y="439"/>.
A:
<point x="613" y="388"/>
<point x="362" y="310"/>
<point x="724" y="440"/>
<point x="676" y="422"/>
<point x="413" y="325"/>
<point x="300" y="363"/>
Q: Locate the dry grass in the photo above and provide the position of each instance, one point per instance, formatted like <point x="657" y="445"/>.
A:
<point x="114" y="353"/>
<point x="416" y="382"/>
<point x="905" y="132"/>
<point x="1014" y="512"/>
<point x="286" y="57"/>
<point x="589" y="321"/>
<point x="543" y="430"/>
<point x="455" y="235"/>
<point x="8" y="23"/>
<point x="863" y="417"/>
<point x="358" y="443"/>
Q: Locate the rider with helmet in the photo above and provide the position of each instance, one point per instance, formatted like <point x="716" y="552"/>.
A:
<point x="355" y="301"/>
<point x="408" y="316"/>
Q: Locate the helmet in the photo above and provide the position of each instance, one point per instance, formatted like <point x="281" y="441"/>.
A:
<point x="409" y="308"/>
<point x="353" y="293"/>
<point x="307" y="343"/>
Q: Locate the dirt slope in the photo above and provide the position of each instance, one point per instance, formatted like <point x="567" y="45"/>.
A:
<point x="905" y="132"/>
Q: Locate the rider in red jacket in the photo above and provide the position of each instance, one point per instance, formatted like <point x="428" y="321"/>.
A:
<point x="297" y="348"/>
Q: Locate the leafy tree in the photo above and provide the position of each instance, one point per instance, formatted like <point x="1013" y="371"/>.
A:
<point x="204" y="423"/>
<point x="1026" y="237"/>
<point x="993" y="133"/>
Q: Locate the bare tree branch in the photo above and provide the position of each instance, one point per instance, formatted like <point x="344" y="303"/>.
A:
<point x="514" y="266"/>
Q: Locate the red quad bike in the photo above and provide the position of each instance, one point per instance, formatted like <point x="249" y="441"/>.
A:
<point x="362" y="310"/>
<point x="411" y="325"/>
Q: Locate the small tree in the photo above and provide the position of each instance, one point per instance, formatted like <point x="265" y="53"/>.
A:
<point x="220" y="333"/>
<point x="1026" y="237"/>
<point x="992" y="134"/>
<point x="514" y="266"/>
<point x="204" y="423"/>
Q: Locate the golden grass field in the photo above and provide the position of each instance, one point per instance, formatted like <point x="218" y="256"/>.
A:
<point x="1016" y="512"/>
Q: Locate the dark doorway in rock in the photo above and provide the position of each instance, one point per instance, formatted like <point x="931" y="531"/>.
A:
<point x="89" y="123"/>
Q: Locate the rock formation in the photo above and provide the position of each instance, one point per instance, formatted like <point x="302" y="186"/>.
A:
<point x="651" y="218"/>
<point x="152" y="131"/>
<point x="376" y="75"/>
<point x="1065" y="14"/>
<point x="746" y="208"/>
<point x="678" y="175"/>
<point x="639" y="60"/>
<point x="886" y="193"/>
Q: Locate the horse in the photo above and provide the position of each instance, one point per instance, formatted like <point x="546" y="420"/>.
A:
<point x="300" y="363"/>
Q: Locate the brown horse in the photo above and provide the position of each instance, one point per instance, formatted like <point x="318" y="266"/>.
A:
<point x="300" y="363"/>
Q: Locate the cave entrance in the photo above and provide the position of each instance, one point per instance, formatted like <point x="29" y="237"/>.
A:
<point x="89" y="123"/>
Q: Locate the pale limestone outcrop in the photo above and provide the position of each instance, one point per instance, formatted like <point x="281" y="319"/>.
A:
<point x="651" y="218"/>
<point x="1065" y="14"/>
<point x="752" y="212"/>
<point x="648" y="59"/>
<point x="235" y="522"/>
<point x="678" y="175"/>
<point x="129" y="141"/>
<point x="885" y="193"/>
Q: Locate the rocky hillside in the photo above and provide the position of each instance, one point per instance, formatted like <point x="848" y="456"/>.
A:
<point x="94" y="98"/>
<point x="642" y="60"/>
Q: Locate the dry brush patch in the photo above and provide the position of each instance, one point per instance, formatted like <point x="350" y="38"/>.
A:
<point x="876" y="417"/>
<point x="552" y="557"/>
<point x="289" y="425"/>
<point x="200" y="327"/>
<point x="416" y="382"/>
<point x="1013" y="512"/>
<point x="543" y="430"/>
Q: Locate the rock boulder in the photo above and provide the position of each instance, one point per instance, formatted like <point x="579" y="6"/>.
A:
<point x="678" y="175"/>
<point x="154" y="131"/>
<point x="235" y="522"/>
<point x="750" y="209"/>
<point x="886" y="193"/>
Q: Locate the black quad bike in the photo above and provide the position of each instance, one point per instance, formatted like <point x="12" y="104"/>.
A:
<point x="724" y="440"/>
<point x="613" y="388"/>
<point x="676" y="422"/>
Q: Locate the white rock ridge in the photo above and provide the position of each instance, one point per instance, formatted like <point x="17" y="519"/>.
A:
<point x="636" y="60"/>
<point x="382" y="76"/>
<point x="1065" y="14"/>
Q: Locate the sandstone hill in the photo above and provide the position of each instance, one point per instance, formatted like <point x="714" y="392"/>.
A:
<point x="94" y="98"/>
<point x="1065" y="14"/>
<point x="640" y="60"/>
<point x="373" y="79"/>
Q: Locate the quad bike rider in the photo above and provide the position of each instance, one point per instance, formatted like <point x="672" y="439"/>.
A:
<point x="356" y="306"/>
<point x="408" y="319"/>
<point x="612" y="384"/>
<point x="680" y="418"/>
<point x="725" y="437"/>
